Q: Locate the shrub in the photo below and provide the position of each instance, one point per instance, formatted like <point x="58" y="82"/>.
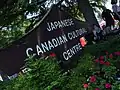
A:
<point x="42" y="75"/>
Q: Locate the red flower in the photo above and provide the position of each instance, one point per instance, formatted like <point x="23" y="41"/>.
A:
<point x="96" y="60"/>
<point x="107" y="85"/>
<point x="102" y="62"/>
<point x="83" y="41"/>
<point x="111" y="56"/>
<point x="107" y="63"/>
<point x="106" y="53"/>
<point x="101" y="57"/>
<point x="117" y="53"/>
<point x="92" y="79"/>
<point x="52" y="55"/>
<point x="97" y="89"/>
<point x="85" y="85"/>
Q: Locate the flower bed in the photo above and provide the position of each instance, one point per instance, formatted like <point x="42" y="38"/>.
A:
<point x="106" y="74"/>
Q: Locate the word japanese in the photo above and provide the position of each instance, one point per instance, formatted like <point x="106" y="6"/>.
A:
<point x="59" y="24"/>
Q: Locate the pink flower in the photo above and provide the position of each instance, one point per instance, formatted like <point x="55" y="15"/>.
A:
<point x="111" y="56"/>
<point x="106" y="53"/>
<point x="52" y="55"/>
<point x="101" y="57"/>
<point x="117" y="53"/>
<point x="107" y="85"/>
<point x="102" y="62"/>
<point x="96" y="60"/>
<point x="97" y="89"/>
<point x="107" y="63"/>
<point x="85" y="85"/>
<point x="92" y="79"/>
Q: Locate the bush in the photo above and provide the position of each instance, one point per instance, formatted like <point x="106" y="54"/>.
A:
<point x="42" y="75"/>
<point x="111" y="45"/>
<point x="79" y="74"/>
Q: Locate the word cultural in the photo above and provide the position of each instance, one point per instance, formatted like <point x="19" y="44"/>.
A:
<point x="76" y="33"/>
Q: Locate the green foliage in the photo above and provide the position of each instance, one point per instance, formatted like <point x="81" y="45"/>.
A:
<point x="111" y="45"/>
<point x="8" y="36"/>
<point x="42" y="75"/>
<point x="14" y="32"/>
<point x="79" y="74"/>
<point x="46" y="74"/>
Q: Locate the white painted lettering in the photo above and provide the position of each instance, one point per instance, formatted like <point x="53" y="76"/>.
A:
<point x="70" y="36"/>
<point x="44" y="47"/>
<point x="49" y="29"/>
<point x="50" y="45"/>
<point x="55" y="43"/>
<point x="65" y="56"/>
<point x="29" y="50"/>
<point x="39" y="50"/>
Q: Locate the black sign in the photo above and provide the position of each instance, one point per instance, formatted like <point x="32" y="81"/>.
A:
<point x="57" y="32"/>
